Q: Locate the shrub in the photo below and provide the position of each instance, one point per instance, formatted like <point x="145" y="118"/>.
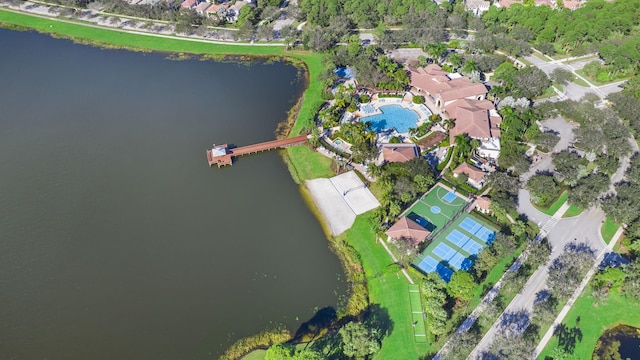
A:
<point x="417" y="99"/>
<point x="364" y="98"/>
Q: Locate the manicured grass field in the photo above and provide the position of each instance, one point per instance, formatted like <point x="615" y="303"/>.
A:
<point x="424" y="208"/>
<point x="417" y="314"/>
<point x="308" y="164"/>
<point x="608" y="229"/>
<point x="595" y="320"/>
<point x="555" y="206"/>
<point x="388" y="289"/>
<point x="573" y="210"/>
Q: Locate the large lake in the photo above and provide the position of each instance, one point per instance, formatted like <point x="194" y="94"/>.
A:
<point x="117" y="241"/>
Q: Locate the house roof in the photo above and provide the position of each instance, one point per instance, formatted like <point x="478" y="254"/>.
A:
<point x="438" y="83"/>
<point x="507" y="3"/>
<point x="216" y="7"/>
<point x="408" y="229"/>
<point x="473" y="117"/>
<point x="474" y="4"/>
<point x="399" y="152"/>
<point x="472" y="172"/>
<point x="483" y="202"/>
<point x="572" y="5"/>
<point x="188" y="3"/>
<point x="202" y="6"/>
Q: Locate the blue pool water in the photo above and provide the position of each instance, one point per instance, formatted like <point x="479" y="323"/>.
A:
<point x="393" y="116"/>
<point x="344" y="72"/>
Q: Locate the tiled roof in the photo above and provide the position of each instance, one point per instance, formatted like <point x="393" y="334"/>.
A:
<point x="471" y="117"/>
<point x="399" y="152"/>
<point x="408" y="229"/>
<point x="472" y="172"/>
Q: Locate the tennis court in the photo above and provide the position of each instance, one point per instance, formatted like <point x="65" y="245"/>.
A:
<point x="436" y="208"/>
<point x="456" y="247"/>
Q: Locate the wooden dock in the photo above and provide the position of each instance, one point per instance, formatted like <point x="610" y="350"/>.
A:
<point x="221" y="154"/>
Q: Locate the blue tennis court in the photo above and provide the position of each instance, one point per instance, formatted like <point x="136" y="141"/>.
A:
<point x="472" y="247"/>
<point x="457" y="238"/>
<point x="429" y="264"/>
<point x="456" y="260"/>
<point x="449" y="197"/>
<point x="444" y="251"/>
<point x="470" y="225"/>
<point x="485" y="235"/>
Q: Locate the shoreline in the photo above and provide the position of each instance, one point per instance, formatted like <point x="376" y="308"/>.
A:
<point x="299" y="117"/>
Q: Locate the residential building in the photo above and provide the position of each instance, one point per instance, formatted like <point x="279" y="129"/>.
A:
<point x="475" y="176"/>
<point x="478" y="118"/>
<point x="217" y="10"/>
<point x="399" y="152"/>
<point x="202" y="7"/>
<point x="189" y="4"/>
<point x="477" y="7"/>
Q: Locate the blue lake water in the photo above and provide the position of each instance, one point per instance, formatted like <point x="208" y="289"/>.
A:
<point x="393" y="116"/>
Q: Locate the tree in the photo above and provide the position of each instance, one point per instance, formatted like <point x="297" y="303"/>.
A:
<point x="530" y="82"/>
<point x="543" y="189"/>
<point x="561" y="75"/>
<point x="568" y="165"/>
<point x="547" y="140"/>
<point x="280" y="352"/>
<point x="461" y="285"/>
<point x="588" y="189"/>
<point x="436" y="51"/>
<point x="358" y="341"/>
<point x="567" y="270"/>
<point x="486" y="261"/>
<point x="544" y="311"/>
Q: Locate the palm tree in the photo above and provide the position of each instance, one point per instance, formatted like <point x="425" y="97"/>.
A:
<point x="436" y="51"/>
<point x="374" y="170"/>
<point x="455" y="60"/>
<point x="449" y="123"/>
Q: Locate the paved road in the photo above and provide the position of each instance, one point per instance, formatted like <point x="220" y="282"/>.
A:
<point x="572" y="90"/>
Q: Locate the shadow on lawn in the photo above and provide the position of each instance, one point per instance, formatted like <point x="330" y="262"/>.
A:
<point x="321" y="331"/>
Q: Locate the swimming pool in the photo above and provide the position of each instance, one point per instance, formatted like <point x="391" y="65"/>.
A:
<point x="393" y="116"/>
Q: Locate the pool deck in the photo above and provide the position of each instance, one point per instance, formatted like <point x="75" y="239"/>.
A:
<point x="405" y="102"/>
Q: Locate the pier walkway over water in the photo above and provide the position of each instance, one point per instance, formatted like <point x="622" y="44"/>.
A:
<point x="221" y="155"/>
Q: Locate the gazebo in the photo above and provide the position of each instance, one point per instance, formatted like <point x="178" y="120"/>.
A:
<point x="408" y="230"/>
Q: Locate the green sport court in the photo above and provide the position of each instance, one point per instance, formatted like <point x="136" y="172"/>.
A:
<point x="436" y="208"/>
<point x="456" y="247"/>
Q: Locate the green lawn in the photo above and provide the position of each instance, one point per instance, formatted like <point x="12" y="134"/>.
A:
<point x="305" y="164"/>
<point x="417" y="314"/>
<point x="255" y="355"/>
<point x="595" y="320"/>
<point x="608" y="229"/>
<point x="388" y="289"/>
<point x="555" y="206"/>
<point x="573" y="210"/>
<point x="578" y="81"/>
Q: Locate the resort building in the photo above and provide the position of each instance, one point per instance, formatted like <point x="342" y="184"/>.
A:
<point x="399" y="152"/>
<point x="408" y="230"/>
<point x="475" y="176"/>
<point x="442" y="88"/>
<point x="569" y="4"/>
<point x="483" y="204"/>
<point x="477" y="118"/>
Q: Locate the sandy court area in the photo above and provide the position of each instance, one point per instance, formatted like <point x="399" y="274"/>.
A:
<point x="355" y="193"/>
<point x="340" y="199"/>
<point x="335" y="211"/>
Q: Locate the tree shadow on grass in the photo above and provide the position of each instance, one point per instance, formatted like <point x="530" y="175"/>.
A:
<point x="568" y="337"/>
